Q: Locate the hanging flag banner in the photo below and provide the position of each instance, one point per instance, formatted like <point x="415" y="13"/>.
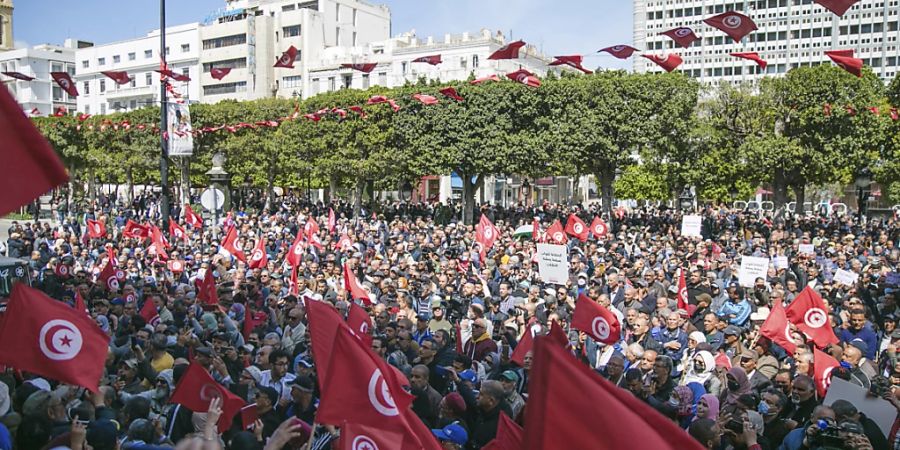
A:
<point x="181" y="139"/>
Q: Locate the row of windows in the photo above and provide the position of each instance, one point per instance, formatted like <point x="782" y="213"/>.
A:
<point x="132" y="56"/>
<point x="238" y="63"/>
<point x="102" y="85"/>
<point x="226" y="41"/>
<point x="225" y="88"/>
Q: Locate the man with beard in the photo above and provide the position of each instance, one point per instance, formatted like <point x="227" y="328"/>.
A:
<point x="804" y="399"/>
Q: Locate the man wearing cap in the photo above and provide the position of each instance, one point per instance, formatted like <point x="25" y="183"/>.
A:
<point x="758" y="381"/>
<point x="303" y="403"/>
<point x="266" y="400"/>
<point x="438" y="317"/>
<point x="736" y="311"/>
<point x="422" y="330"/>
<point x="733" y="346"/>
<point x="451" y="437"/>
<point x="509" y="379"/>
<point x="853" y="356"/>
<point x="481" y="344"/>
<point x="860" y="328"/>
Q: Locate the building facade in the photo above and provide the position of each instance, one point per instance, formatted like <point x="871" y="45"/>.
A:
<point x="6" y="25"/>
<point x="42" y="93"/>
<point x="792" y="33"/>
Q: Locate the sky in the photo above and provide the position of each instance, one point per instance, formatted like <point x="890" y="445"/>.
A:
<point x="557" y="27"/>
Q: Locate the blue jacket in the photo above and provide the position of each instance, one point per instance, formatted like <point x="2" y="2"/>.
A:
<point x="740" y="310"/>
<point x="867" y="335"/>
<point x="678" y="335"/>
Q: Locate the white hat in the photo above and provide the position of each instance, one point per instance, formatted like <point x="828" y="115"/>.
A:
<point x="761" y="314"/>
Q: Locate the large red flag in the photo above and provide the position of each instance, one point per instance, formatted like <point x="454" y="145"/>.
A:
<point x="150" y="313"/>
<point x="79" y="303"/>
<point x="206" y="293"/>
<point x="451" y="92"/>
<point x="493" y="77"/>
<point x="823" y="365"/>
<point x="526" y="343"/>
<point x="808" y="313"/>
<point x="230" y="244"/>
<point x="351" y="284"/>
<point x="31" y="166"/>
<point x="589" y="412"/>
<point x="324" y="323"/>
<point x="295" y="251"/>
<point x="95" y="229"/>
<point x="362" y="67"/>
<point x="595" y="320"/>
<point x="110" y="276"/>
<point x="576" y="228"/>
<point x="752" y="56"/>
<point x="259" y="258"/>
<point x="332" y="221"/>
<point x="356" y="436"/>
<point x="599" y="228"/>
<point x="176" y="231"/>
<point x="838" y="7"/>
<point x="485" y="232"/>
<point x="683" y="36"/>
<point x="219" y="72"/>
<point x="619" y="51"/>
<point x="508" y="51"/>
<point x="432" y="59"/>
<point x="732" y="23"/>
<point x="669" y="61"/>
<point x="359" y="322"/>
<point x="557" y="335"/>
<point x="682" y="290"/>
<point x="18" y="76"/>
<point x="525" y="77"/>
<point x="48" y="338"/>
<point x="344" y="243"/>
<point x="191" y="218"/>
<point x="117" y="76"/>
<point x="556" y="233"/>
<point x="287" y="58"/>
<point x="135" y="230"/>
<point x="848" y="63"/>
<point x="509" y="435"/>
<point x="778" y="329"/>
<point x="195" y="390"/>
<point x="426" y="99"/>
<point x="65" y="82"/>
<point x="157" y="243"/>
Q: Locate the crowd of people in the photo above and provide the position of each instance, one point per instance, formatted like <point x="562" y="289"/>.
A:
<point x="449" y="316"/>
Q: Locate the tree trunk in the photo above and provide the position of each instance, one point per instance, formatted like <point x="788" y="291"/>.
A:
<point x="357" y="197"/>
<point x="607" y="195"/>
<point x="779" y="188"/>
<point x="129" y="183"/>
<point x="332" y="188"/>
<point x="800" y="195"/>
<point x="70" y="191"/>
<point x="469" y="189"/>
<point x="576" y="193"/>
<point x="185" y="180"/>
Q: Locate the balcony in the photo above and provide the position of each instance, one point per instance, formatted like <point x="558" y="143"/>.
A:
<point x="128" y="92"/>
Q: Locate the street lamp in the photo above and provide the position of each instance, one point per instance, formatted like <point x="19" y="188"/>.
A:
<point x="863" y="182"/>
<point x="406" y="191"/>
<point x="686" y="199"/>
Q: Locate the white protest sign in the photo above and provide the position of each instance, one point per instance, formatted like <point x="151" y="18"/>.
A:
<point x="553" y="263"/>
<point x="691" y="225"/>
<point x="752" y="268"/>
<point x="780" y="262"/>
<point x="878" y="409"/>
<point x="846" y="277"/>
<point x="807" y="249"/>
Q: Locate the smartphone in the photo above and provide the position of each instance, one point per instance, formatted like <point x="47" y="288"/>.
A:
<point x="735" y="425"/>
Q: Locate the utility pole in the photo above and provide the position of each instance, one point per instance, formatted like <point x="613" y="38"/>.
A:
<point x="163" y="122"/>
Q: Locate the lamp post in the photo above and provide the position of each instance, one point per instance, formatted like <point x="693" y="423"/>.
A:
<point x="733" y="192"/>
<point x="406" y="191"/>
<point x="863" y="182"/>
<point x="163" y="122"/>
<point x="686" y="199"/>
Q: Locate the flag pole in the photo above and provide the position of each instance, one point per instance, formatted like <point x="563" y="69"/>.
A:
<point x="312" y="435"/>
<point x="163" y="122"/>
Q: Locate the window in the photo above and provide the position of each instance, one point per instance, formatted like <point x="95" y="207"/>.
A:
<point x="132" y="104"/>
<point x="365" y="79"/>
<point x="474" y="61"/>
<point x="227" y="88"/>
<point x="87" y="109"/>
<point x="132" y="56"/>
<point x="148" y="54"/>
<point x="102" y="108"/>
<point x="314" y="86"/>
<point x="291" y="81"/>
<point x="133" y="82"/>
<point x="117" y="59"/>
<point x="149" y="78"/>
<point x="238" y="63"/>
<point x="86" y="90"/>
<point x="167" y="51"/>
<point x="57" y="94"/>
<point x="287" y="8"/>
<point x="331" y="86"/>
<point x="85" y="64"/>
<point x="185" y="48"/>
<point x="382" y="79"/>
<point x="227" y="41"/>
<point x="101" y="61"/>
<point x="348" y="81"/>
<point x="291" y="31"/>
<point x="102" y="85"/>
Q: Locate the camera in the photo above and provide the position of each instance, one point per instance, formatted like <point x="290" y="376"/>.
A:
<point x="830" y="433"/>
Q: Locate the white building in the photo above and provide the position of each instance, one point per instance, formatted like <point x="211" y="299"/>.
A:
<point x="791" y="33"/>
<point x="461" y="54"/>
<point x="98" y="94"/>
<point x="38" y="61"/>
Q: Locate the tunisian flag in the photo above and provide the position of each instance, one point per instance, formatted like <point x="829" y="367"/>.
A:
<point x="259" y="259"/>
<point x="682" y="290"/>
<point x="589" y="412"/>
<point x="734" y="24"/>
<point x="351" y="284"/>
<point x="599" y="228"/>
<point x="778" y="329"/>
<point x="110" y="276"/>
<point x="576" y="228"/>
<point x="295" y="251"/>
<point x="669" y="62"/>
<point x="508" y="51"/>
<point x="332" y="221"/>
<point x="356" y="436"/>
<point x="525" y="345"/>
<point x="359" y="322"/>
<point x="48" y="338"/>
<point x="230" y="245"/>
<point x="485" y="232"/>
<point x="150" y="313"/>
<point x="619" y="51"/>
<point x="65" y="82"/>
<point x="433" y="60"/>
<point x="191" y="218"/>
<point x="135" y="230"/>
<point x="176" y="231"/>
<point x="509" y="435"/>
<point x="117" y="76"/>
<point x="31" y="166"/>
<point x="823" y="364"/>
<point x="595" y="320"/>
<point x="287" y="58"/>
<point x="220" y="72"/>
<point x="683" y="36"/>
<point x="362" y="67"/>
<point x="96" y="229"/>
<point x="556" y="233"/>
<point x="752" y="56"/>
<point x="808" y="313"/>
<point x="848" y="63"/>
<point x="838" y="7"/>
<point x="195" y="390"/>
<point x="206" y="293"/>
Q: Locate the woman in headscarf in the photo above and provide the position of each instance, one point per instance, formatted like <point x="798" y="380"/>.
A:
<point x="737" y="385"/>
<point x="702" y="370"/>
<point x="707" y="407"/>
<point x="694" y="339"/>
<point x="683" y="400"/>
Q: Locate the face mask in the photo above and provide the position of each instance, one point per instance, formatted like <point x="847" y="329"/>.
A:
<point x="699" y="367"/>
<point x="733" y="385"/>
<point x="763" y="408"/>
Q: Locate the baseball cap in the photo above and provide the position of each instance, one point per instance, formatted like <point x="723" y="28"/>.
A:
<point x="454" y="433"/>
<point x="469" y="375"/>
<point x="860" y="344"/>
<point x="732" y="330"/>
<point x="509" y="375"/>
<point x="303" y="383"/>
<point x="102" y="434"/>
